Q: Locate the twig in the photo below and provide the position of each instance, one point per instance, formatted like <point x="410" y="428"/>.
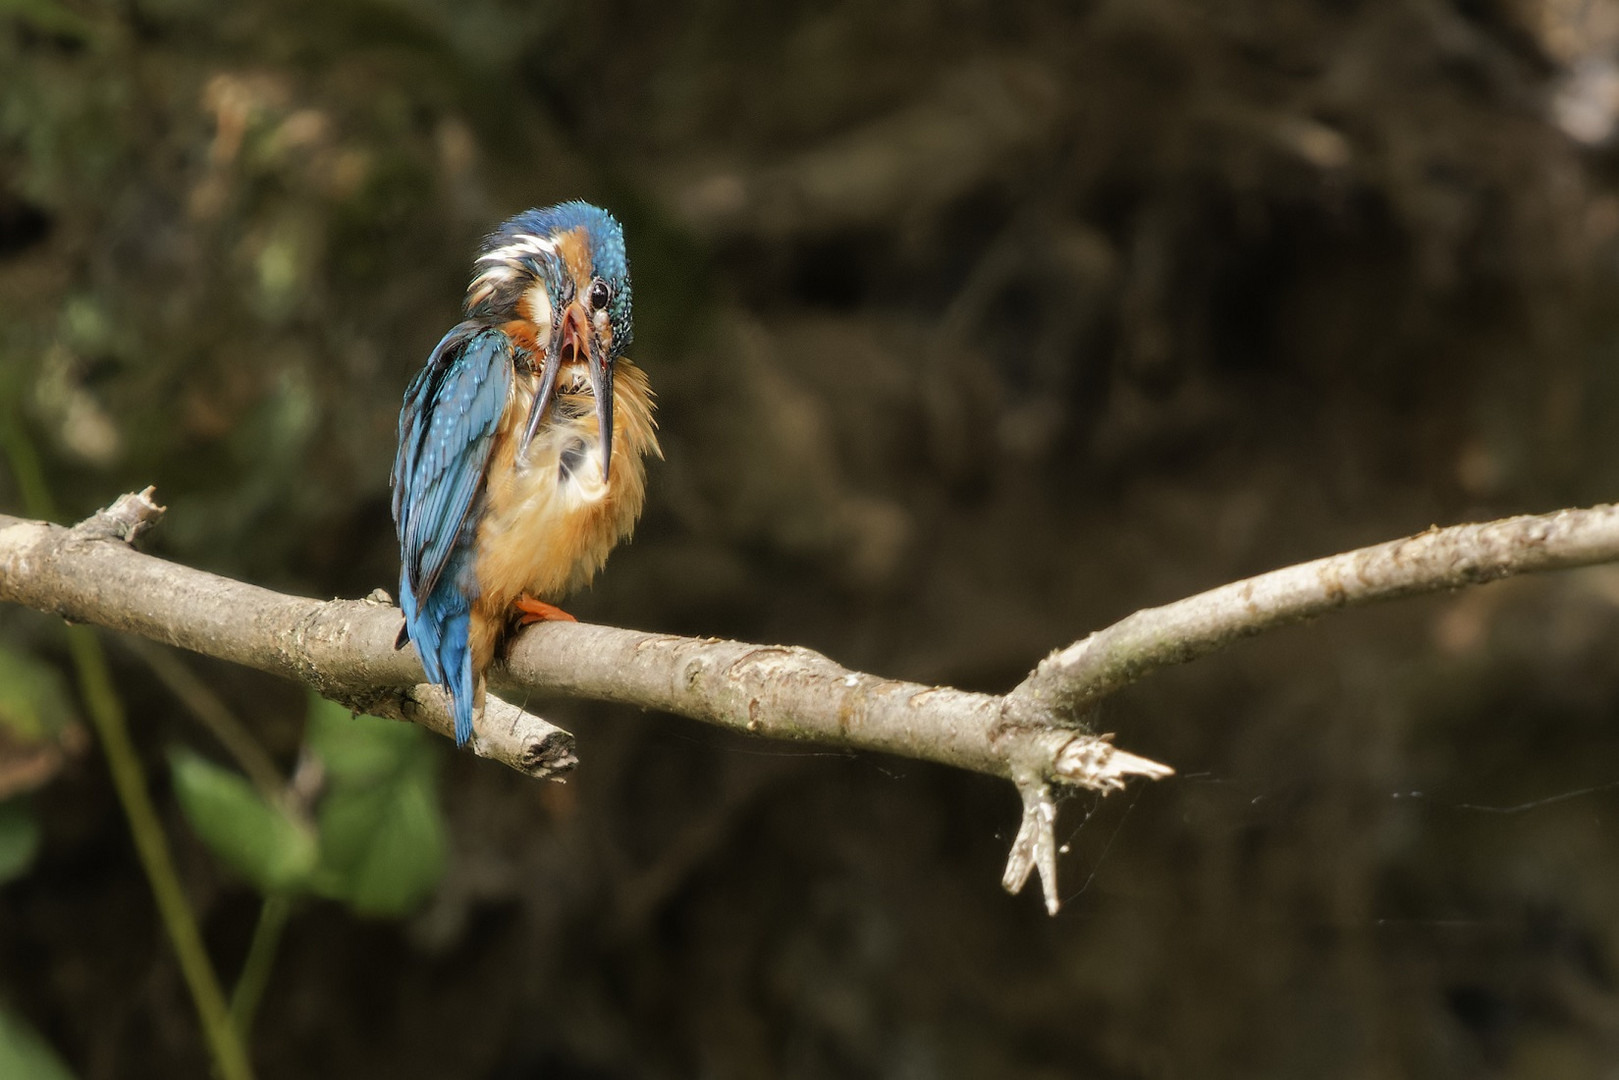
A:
<point x="1034" y="735"/>
<point x="1431" y="561"/>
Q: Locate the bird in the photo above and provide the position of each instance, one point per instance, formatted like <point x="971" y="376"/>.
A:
<point x="522" y="445"/>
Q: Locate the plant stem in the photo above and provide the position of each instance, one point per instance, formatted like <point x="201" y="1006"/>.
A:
<point x="255" y="974"/>
<point x="213" y="713"/>
<point x="107" y="715"/>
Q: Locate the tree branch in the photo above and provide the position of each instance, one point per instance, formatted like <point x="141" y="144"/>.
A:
<point x="1074" y="678"/>
<point x="343" y="649"/>
<point x="1034" y="735"/>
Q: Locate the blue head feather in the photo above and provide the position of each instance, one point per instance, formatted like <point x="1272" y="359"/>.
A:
<point x="509" y="262"/>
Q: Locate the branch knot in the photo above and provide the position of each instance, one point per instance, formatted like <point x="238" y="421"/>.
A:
<point x="126" y="519"/>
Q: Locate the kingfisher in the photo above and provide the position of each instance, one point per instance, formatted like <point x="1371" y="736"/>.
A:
<point x="521" y="445"/>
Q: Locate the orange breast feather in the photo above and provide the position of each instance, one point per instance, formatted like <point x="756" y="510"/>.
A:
<point x="546" y="530"/>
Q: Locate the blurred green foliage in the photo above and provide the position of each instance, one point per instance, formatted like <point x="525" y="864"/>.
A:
<point x="47" y="16"/>
<point x="383" y="838"/>
<point x="262" y="842"/>
<point x="33" y="702"/>
<point x="378" y="842"/>
<point x="26" y="1056"/>
<point x="19" y="843"/>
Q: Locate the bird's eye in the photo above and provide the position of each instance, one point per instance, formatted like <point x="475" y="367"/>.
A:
<point x="600" y="293"/>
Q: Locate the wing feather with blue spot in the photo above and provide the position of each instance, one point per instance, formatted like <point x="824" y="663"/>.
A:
<point x="446" y="432"/>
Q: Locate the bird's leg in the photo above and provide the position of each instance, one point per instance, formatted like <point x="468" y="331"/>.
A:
<point x="534" y="611"/>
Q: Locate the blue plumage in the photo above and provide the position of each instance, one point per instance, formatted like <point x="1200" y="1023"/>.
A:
<point x="608" y="258"/>
<point x="446" y="431"/>
<point x="547" y="315"/>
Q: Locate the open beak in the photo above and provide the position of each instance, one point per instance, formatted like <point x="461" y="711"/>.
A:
<point x="571" y="340"/>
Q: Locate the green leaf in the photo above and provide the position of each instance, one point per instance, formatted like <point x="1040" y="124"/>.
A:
<point x="33" y="704"/>
<point x="19" y="841"/>
<point x="383" y="841"/>
<point x="258" y="840"/>
<point x="360" y="749"/>
<point x="26" y="1056"/>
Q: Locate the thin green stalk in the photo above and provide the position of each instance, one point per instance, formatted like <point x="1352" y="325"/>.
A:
<point x="213" y="714"/>
<point x="107" y="715"/>
<point x="36" y="497"/>
<point x="244" y="1003"/>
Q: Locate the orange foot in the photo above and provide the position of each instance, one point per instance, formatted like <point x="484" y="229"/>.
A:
<point x="534" y="611"/>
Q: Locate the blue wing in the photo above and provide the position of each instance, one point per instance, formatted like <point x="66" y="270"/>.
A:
<point x="446" y="431"/>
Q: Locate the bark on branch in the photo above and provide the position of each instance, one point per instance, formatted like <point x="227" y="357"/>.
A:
<point x="1034" y="736"/>
<point x="1113" y="658"/>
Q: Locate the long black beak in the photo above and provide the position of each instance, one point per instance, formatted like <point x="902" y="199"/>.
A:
<point x="548" y="385"/>
<point x="567" y="337"/>
<point x="601" y="385"/>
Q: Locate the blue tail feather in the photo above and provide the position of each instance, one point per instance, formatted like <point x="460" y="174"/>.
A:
<point x="439" y="630"/>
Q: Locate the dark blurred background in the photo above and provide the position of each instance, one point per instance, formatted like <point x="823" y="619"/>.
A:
<point x="975" y="326"/>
